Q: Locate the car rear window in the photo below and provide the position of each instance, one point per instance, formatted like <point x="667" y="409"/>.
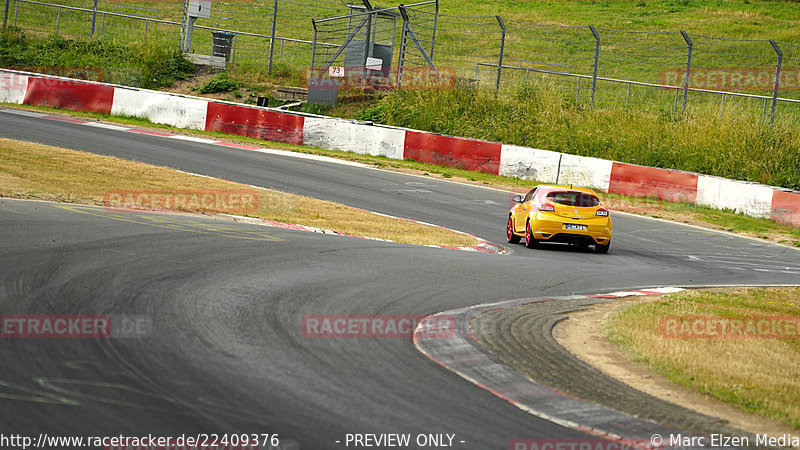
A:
<point x="573" y="198"/>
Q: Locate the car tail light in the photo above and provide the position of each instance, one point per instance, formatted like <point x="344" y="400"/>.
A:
<point x="547" y="207"/>
<point x="602" y="212"/>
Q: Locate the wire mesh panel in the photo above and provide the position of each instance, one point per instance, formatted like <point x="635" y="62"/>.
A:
<point x="68" y="19"/>
<point x="467" y="46"/>
<point x="549" y="55"/>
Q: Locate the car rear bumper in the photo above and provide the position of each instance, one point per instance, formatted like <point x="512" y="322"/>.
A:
<point x="598" y="231"/>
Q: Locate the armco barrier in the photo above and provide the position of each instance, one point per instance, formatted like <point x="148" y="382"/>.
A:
<point x="344" y="135"/>
<point x="786" y="207"/>
<point x="545" y="166"/>
<point x="72" y="95"/>
<point x="721" y="193"/>
<point x="467" y="154"/>
<point x="174" y="110"/>
<point x="256" y="123"/>
<point x="13" y="87"/>
<point x="641" y="181"/>
<point x="530" y="163"/>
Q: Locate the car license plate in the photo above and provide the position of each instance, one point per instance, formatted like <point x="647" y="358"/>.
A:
<point x="570" y="226"/>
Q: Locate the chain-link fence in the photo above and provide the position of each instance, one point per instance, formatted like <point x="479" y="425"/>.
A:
<point x="666" y="71"/>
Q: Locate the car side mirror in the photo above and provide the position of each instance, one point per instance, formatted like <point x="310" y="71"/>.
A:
<point x="518" y="198"/>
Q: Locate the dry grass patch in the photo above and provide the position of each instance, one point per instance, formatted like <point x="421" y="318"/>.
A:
<point x="34" y="171"/>
<point x="758" y="375"/>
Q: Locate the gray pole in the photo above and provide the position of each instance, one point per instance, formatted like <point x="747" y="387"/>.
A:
<point x="313" y="51"/>
<point x="183" y="25"/>
<point x="403" y="43"/>
<point x="435" y="23"/>
<point x="94" y="18"/>
<point x="5" y="14"/>
<point x="596" y="61"/>
<point x="689" y="45"/>
<point x="367" y="42"/>
<point x="502" y="51"/>
<point x="777" y="80"/>
<point x="272" y="35"/>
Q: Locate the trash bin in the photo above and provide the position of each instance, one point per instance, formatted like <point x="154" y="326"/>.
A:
<point x="223" y="42"/>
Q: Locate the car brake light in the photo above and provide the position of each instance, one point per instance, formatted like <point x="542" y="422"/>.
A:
<point x="602" y="212"/>
<point x="547" y="207"/>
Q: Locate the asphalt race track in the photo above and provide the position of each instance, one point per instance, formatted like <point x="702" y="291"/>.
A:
<point x="225" y="300"/>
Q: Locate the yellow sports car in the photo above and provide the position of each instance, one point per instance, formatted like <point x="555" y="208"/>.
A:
<point x="550" y="213"/>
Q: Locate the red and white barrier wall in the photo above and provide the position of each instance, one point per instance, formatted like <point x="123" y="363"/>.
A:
<point x="195" y="113"/>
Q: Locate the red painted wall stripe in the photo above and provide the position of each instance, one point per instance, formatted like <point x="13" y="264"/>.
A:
<point x="468" y="154"/>
<point x="72" y="95"/>
<point x="255" y="123"/>
<point x="786" y="207"/>
<point x="641" y="181"/>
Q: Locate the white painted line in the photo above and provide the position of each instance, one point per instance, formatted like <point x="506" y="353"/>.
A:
<point x="183" y="137"/>
<point x="106" y="126"/>
<point x="23" y="112"/>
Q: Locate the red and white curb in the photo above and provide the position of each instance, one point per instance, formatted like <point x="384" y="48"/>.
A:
<point x="460" y="353"/>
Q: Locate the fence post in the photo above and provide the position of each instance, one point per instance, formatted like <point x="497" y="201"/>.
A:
<point x="272" y="35"/>
<point x="403" y="44"/>
<point x="313" y="50"/>
<point x="94" y="19"/>
<point x="689" y="45"/>
<point x="777" y="80"/>
<point x="5" y="13"/>
<point x="435" y="23"/>
<point x="596" y="61"/>
<point x="16" y="11"/>
<point x="183" y="25"/>
<point x="502" y="51"/>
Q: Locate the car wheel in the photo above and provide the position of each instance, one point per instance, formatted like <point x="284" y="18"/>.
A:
<point x="512" y="238"/>
<point x="530" y="241"/>
<point x="600" y="248"/>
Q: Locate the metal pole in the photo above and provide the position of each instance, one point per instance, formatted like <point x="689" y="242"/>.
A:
<point x="435" y="23"/>
<point x="777" y="80"/>
<point x="722" y="105"/>
<point x="58" y="21"/>
<point x="146" y="23"/>
<point x="502" y="51"/>
<point x="689" y="45"/>
<point x="272" y="36"/>
<point x="103" y="28"/>
<point x="313" y="50"/>
<point x="628" y="96"/>
<point x="5" y="13"/>
<point x="16" y="10"/>
<point x="578" y="93"/>
<point x="403" y="42"/>
<point x="367" y="42"/>
<point x="182" y="43"/>
<point x="94" y="18"/>
<point x="596" y="61"/>
<point x="233" y="51"/>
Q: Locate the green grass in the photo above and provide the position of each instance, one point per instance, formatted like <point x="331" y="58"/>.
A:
<point x="756" y="375"/>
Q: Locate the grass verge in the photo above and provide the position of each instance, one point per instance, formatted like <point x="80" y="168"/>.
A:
<point x="757" y="375"/>
<point x="729" y="221"/>
<point x="34" y="171"/>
